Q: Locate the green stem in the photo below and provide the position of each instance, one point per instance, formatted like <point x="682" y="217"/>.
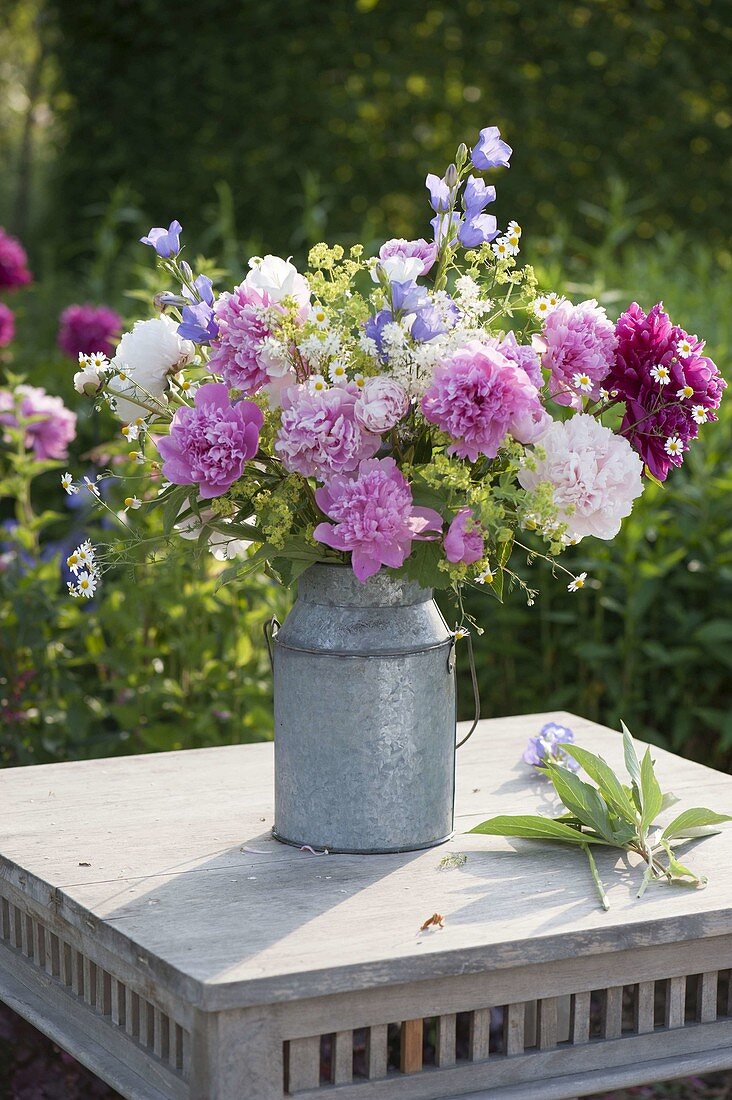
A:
<point x="596" y="878"/>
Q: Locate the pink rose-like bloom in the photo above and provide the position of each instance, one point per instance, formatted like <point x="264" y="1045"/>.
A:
<point x="656" y="412"/>
<point x="464" y="541"/>
<point x="381" y="404"/>
<point x="48" y="437"/>
<point x="425" y="251"/>
<point x="524" y="356"/>
<point x="243" y="324"/>
<point x="85" y="329"/>
<point x="596" y="475"/>
<point x="478" y="397"/>
<point x="7" y="325"/>
<point x="374" y="517"/>
<point x="13" y="263"/>
<point x="320" y="435"/>
<point x="577" y="340"/>
<point x="210" y="442"/>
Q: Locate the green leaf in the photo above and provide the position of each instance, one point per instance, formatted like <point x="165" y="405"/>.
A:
<point x="678" y="872"/>
<point x="633" y="766"/>
<point x="533" y="827"/>
<point x="581" y="799"/>
<point x="652" y="796"/>
<point x="669" y="800"/>
<point x="693" y="819"/>
<point x="610" y="786"/>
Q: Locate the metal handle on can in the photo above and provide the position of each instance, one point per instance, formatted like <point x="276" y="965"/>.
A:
<point x="451" y="661"/>
<point x="270" y="631"/>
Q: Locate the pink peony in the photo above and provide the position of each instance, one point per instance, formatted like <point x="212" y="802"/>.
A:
<point x="578" y="343"/>
<point x="596" y="475"/>
<point x="7" y="325"/>
<point x="422" y="250"/>
<point x="237" y="353"/>
<point x="13" y="263"/>
<point x="464" y="541"/>
<point x="665" y="380"/>
<point x="48" y="436"/>
<point x="478" y="397"/>
<point x="320" y="435"/>
<point x="375" y="519"/>
<point x="524" y="356"/>
<point x="381" y="404"/>
<point x="209" y="443"/>
<point x="85" y="329"/>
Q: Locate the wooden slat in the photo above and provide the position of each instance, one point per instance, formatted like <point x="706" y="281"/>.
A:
<point x="343" y="1058"/>
<point x="513" y="1028"/>
<point x="706" y="997"/>
<point x="161" y="1034"/>
<point x="65" y="961"/>
<point x="645" y="993"/>
<point x="26" y="934"/>
<point x="480" y="1034"/>
<point x="53" y="962"/>
<point x="412" y="1033"/>
<point x="175" y="1049"/>
<point x="547" y="1023"/>
<point x="445" y="1040"/>
<point x="4" y="919"/>
<point x="675" y="1002"/>
<point x="579" y="1022"/>
<point x="377" y="1051"/>
<point x="612" y="1012"/>
<point x="14" y="917"/>
<point x="304" y="1064"/>
<point x="132" y="1013"/>
<point x="77" y="973"/>
<point x="90" y="980"/>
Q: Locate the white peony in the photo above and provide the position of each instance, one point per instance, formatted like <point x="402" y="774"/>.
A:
<point x="279" y="278"/>
<point x="220" y="546"/>
<point x="596" y="475"/>
<point x="147" y="356"/>
<point x="398" y="269"/>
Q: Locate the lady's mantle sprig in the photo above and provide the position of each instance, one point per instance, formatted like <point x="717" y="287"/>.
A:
<point x="611" y="813"/>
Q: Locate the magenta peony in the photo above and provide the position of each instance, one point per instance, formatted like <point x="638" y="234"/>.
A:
<point x="210" y="442"/>
<point x="595" y="474"/>
<point x="479" y="397"/>
<point x="374" y="517"/>
<point x="320" y="435"/>
<point x="49" y="436"/>
<point x="7" y="325"/>
<point x="13" y="263"/>
<point x="464" y="540"/>
<point x="578" y="349"/>
<point x="85" y="329"/>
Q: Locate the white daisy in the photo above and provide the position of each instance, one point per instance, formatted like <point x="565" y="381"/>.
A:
<point x="661" y="374"/>
<point x="131" y="432"/>
<point x="699" y="414"/>
<point x="132" y="503"/>
<point x="542" y="307"/>
<point x="83" y="359"/>
<point x="316" y="383"/>
<point x="684" y="346"/>
<point x="555" y="299"/>
<point x="98" y="360"/>
<point x="359" y="380"/>
<point x="582" y="382"/>
<point x="577" y="583"/>
<point x="485" y="576"/>
<point x="513" y="229"/>
<point x="67" y="483"/>
<point x="673" y="446"/>
<point x="319" y="317"/>
<point x="685" y="391"/>
<point x="337" y="372"/>
<point x="91" y="486"/>
<point x="86" y="585"/>
<point x="502" y="248"/>
<point x="74" y="562"/>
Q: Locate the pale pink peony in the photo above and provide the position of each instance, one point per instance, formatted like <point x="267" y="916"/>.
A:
<point x="596" y="475"/>
<point x="464" y="540"/>
<point x="381" y="404"/>
<point x="210" y="442"/>
<point x="320" y="435"/>
<point x="424" y="251"/>
<point x="478" y="397"/>
<point x="577" y="341"/>
<point x="49" y="435"/>
<point x="374" y="517"/>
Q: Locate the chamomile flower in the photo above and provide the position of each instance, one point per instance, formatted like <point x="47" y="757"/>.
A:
<point x="360" y="380"/>
<point x="661" y="374"/>
<point x="74" y="562"/>
<point x="542" y="307"/>
<point x="486" y="576"/>
<point x="684" y="346"/>
<point x="319" y="317"/>
<point x="577" y="583"/>
<point x="316" y="383"/>
<point x="555" y="299"/>
<point x="187" y="386"/>
<point x="83" y="360"/>
<point x="337" y="372"/>
<point x="132" y="503"/>
<point x="685" y="391"/>
<point x="673" y="446"/>
<point x="513" y="229"/>
<point x="85" y="554"/>
<point x="91" y="486"/>
<point x="86" y="585"/>
<point x="131" y="432"/>
<point x="503" y="248"/>
<point x="67" y="483"/>
<point x="699" y="414"/>
<point x="604" y="394"/>
<point x="582" y="382"/>
<point x="98" y="360"/>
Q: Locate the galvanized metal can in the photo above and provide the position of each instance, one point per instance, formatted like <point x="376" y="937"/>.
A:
<point x="364" y="701"/>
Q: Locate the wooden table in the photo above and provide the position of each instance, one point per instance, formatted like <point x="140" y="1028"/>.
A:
<point x="151" y="926"/>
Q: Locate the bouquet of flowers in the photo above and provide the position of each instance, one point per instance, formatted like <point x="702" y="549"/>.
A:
<point x="426" y="410"/>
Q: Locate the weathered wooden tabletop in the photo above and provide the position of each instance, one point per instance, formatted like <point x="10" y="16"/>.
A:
<point x="168" y="860"/>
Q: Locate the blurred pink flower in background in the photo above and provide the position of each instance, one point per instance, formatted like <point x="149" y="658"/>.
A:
<point x="85" y="329"/>
<point x="13" y="263"/>
<point x="7" y="325"/>
<point x="49" y="436"/>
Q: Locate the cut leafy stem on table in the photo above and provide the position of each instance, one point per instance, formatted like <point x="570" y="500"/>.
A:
<point x="615" y="815"/>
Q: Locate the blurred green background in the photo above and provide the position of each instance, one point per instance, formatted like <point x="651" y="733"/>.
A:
<point x="273" y="125"/>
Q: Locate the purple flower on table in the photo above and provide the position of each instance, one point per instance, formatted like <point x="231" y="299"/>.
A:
<point x="436" y="318"/>
<point x="210" y="441"/>
<point x="479" y="397"/>
<point x="578" y="345"/>
<point x="85" y="329"/>
<point x="374" y="517"/>
<point x="547" y="746"/>
<point x="477" y="229"/>
<point x="422" y="250"/>
<point x="166" y="242"/>
<point x="464" y="539"/>
<point x="13" y="263"/>
<point x="320" y="435"/>
<point x="491" y="151"/>
<point x="49" y="435"/>
<point x="7" y="325"/>
<point x="477" y="195"/>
